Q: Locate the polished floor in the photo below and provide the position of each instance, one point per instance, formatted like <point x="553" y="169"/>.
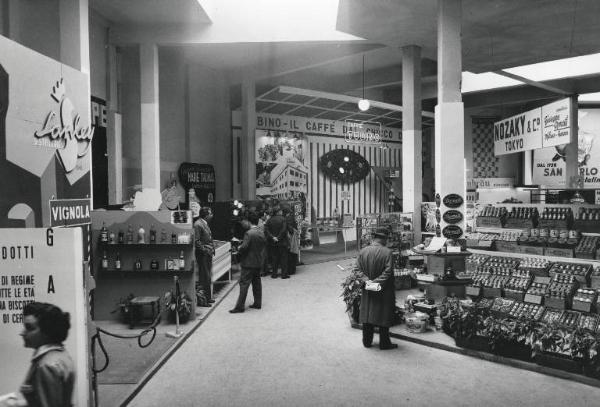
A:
<point x="299" y="350"/>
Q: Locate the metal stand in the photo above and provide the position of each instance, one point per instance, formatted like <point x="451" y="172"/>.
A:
<point x="178" y="333"/>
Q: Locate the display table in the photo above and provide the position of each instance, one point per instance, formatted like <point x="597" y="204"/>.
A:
<point x="136" y="313"/>
<point x="221" y="260"/>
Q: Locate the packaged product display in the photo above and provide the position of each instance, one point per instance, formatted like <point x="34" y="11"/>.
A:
<point x="587" y="247"/>
<point x="473" y="262"/>
<point x="569" y="319"/>
<point x="552" y="316"/>
<point x="535" y="266"/>
<point x="525" y="310"/>
<point x="584" y="299"/>
<point x="521" y="217"/>
<point x="580" y="272"/>
<point x="491" y="217"/>
<point x="589" y="322"/>
<point x="555" y="218"/>
<point x="502" y="306"/>
<point x="500" y="265"/>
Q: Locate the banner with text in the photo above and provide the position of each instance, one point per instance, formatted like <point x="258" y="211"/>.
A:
<point x="547" y="126"/>
<point x="549" y="168"/>
<point x="518" y="133"/>
<point x="268" y="121"/>
<point x="556" y="118"/>
<point x="43" y="265"/>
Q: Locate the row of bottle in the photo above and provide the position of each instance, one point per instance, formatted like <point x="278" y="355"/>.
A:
<point x="523" y="213"/>
<point x="140" y="237"/>
<point x="493" y="212"/>
<point x="137" y="265"/>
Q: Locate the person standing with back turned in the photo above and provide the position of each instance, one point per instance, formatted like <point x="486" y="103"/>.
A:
<point x="276" y="232"/>
<point x="252" y="256"/>
<point x="377" y="307"/>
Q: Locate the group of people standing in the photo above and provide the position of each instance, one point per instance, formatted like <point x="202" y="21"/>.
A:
<point x="270" y="245"/>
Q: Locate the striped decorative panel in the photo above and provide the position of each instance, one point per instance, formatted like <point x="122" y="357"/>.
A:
<point x="368" y="195"/>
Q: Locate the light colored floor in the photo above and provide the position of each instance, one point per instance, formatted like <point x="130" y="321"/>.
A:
<point x="300" y="350"/>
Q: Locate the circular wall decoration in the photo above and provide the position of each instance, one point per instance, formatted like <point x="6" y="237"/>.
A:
<point x="343" y="165"/>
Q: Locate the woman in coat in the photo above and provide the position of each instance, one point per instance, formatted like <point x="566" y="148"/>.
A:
<point x="377" y="307"/>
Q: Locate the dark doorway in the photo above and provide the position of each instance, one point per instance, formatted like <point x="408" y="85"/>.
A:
<point x="99" y="154"/>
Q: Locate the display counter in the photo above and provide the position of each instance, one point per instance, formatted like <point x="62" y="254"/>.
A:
<point x="221" y="260"/>
<point x="139" y="253"/>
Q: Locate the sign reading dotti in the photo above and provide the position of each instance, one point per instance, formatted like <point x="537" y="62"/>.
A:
<point x="452" y="232"/>
<point x="518" y="133"/>
<point x="69" y="212"/>
<point x="453" y="216"/>
<point x="453" y="200"/>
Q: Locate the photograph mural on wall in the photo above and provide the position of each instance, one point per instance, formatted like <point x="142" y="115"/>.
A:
<point x="281" y="165"/>
<point x="45" y="135"/>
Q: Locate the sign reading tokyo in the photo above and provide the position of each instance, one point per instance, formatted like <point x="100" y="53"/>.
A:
<point x="69" y="212"/>
<point x="547" y="126"/>
<point x="335" y="128"/>
<point x="518" y="133"/>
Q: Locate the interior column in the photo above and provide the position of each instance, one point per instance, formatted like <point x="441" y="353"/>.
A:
<point x="412" y="143"/>
<point x="248" y="163"/>
<point x="114" y="145"/>
<point x="74" y="34"/>
<point x="150" y="130"/>
<point x="449" y="112"/>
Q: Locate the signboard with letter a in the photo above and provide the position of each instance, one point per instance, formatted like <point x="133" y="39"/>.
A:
<point x="43" y="265"/>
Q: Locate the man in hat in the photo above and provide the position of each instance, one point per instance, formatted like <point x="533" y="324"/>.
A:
<point x="377" y="307"/>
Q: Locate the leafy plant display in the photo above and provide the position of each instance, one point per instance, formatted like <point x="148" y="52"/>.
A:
<point x="352" y="289"/>
<point x="181" y="305"/>
<point x="124" y="307"/>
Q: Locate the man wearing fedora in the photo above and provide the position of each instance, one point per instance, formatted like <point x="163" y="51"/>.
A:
<point x="377" y="307"/>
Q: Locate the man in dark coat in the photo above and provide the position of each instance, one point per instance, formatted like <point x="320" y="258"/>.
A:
<point x="377" y="307"/>
<point x="252" y="256"/>
<point x="276" y="232"/>
<point x="204" y="251"/>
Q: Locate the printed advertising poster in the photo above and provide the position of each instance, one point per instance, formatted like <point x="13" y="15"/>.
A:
<point x="549" y="168"/>
<point x="589" y="147"/>
<point x="549" y="163"/>
<point x="556" y="120"/>
<point x="281" y="166"/>
<point x="518" y="133"/>
<point x="45" y="135"/>
<point x="43" y="265"/>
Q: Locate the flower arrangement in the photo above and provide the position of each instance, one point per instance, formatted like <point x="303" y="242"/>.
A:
<point x="352" y="290"/>
<point x="181" y="305"/>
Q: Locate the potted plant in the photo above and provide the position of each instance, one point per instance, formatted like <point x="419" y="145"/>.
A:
<point x="181" y="305"/>
<point x="351" y="293"/>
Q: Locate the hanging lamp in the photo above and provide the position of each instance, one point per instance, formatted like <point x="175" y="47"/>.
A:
<point x="363" y="104"/>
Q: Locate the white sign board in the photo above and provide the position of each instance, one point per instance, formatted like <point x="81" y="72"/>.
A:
<point x="549" y="168"/>
<point x="518" y="133"/>
<point x="43" y="265"/>
<point x="556" y="120"/>
<point x="490" y="183"/>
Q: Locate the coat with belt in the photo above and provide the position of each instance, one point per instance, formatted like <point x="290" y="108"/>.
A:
<point x="377" y="307"/>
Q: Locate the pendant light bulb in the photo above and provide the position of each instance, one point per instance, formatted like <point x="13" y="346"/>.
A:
<point x="364" y="105"/>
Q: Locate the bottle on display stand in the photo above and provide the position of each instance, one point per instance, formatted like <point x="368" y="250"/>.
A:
<point x="163" y="236"/>
<point x="118" y="262"/>
<point x="121" y="237"/>
<point x="181" y="261"/>
<point x="138" y="264"/>
<point x="141" y="235"/>
<point x="154" y="264"/>
<point x="104" y="233"/>
<point x="152" y="234"/>
<point x="129" y="234"/>
<point x="111" y="237"/>
<point x="104" y="261"/>
<point x="174" y="238"/>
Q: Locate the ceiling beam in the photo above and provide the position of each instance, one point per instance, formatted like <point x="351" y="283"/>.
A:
<point x="536" y="84"/>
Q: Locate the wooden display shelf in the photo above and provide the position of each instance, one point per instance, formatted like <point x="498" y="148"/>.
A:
<point x="140" y="245"/>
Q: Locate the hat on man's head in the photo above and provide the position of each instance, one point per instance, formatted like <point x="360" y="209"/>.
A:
<point x="381" y="233"/>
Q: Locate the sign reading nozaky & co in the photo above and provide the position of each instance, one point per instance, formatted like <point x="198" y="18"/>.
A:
<point x="452" y="232"/>
<point x="453" y="216"/>
<point x="70" y="212"/>
<point x="453" y="200"/>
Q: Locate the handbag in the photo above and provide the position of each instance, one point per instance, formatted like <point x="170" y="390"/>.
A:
<point x="372" y="286"/>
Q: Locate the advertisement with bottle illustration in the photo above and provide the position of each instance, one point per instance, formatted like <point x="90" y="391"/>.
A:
<point x="549" y="163"/>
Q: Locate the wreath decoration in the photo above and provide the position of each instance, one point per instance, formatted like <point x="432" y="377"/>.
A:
<point x="345" y="166"/>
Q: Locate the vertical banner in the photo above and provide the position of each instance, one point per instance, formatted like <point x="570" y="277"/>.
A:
<point x="589" y="147"/>
<point x="282" y="166"/>
<point x="556" y="120"/>
<point x="549" y="168"/>
<point x="43" y="265"/>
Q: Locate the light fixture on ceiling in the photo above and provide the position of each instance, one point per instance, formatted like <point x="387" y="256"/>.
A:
<point x="363" y="104"/>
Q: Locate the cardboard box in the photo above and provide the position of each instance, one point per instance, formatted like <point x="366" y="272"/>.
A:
<point x="558" y="252"/>
<point x="473" y="291"/>
<point x="492" y="292"/>
<point x="539" y="251"/>
<point x="514" y="294"/>
<point x="555" y="303"/>
<point x="534" y="299"/>
<point x="582" y="306"/>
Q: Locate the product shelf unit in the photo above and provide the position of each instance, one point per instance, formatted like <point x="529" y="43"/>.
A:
<point x="113" y="283"/>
